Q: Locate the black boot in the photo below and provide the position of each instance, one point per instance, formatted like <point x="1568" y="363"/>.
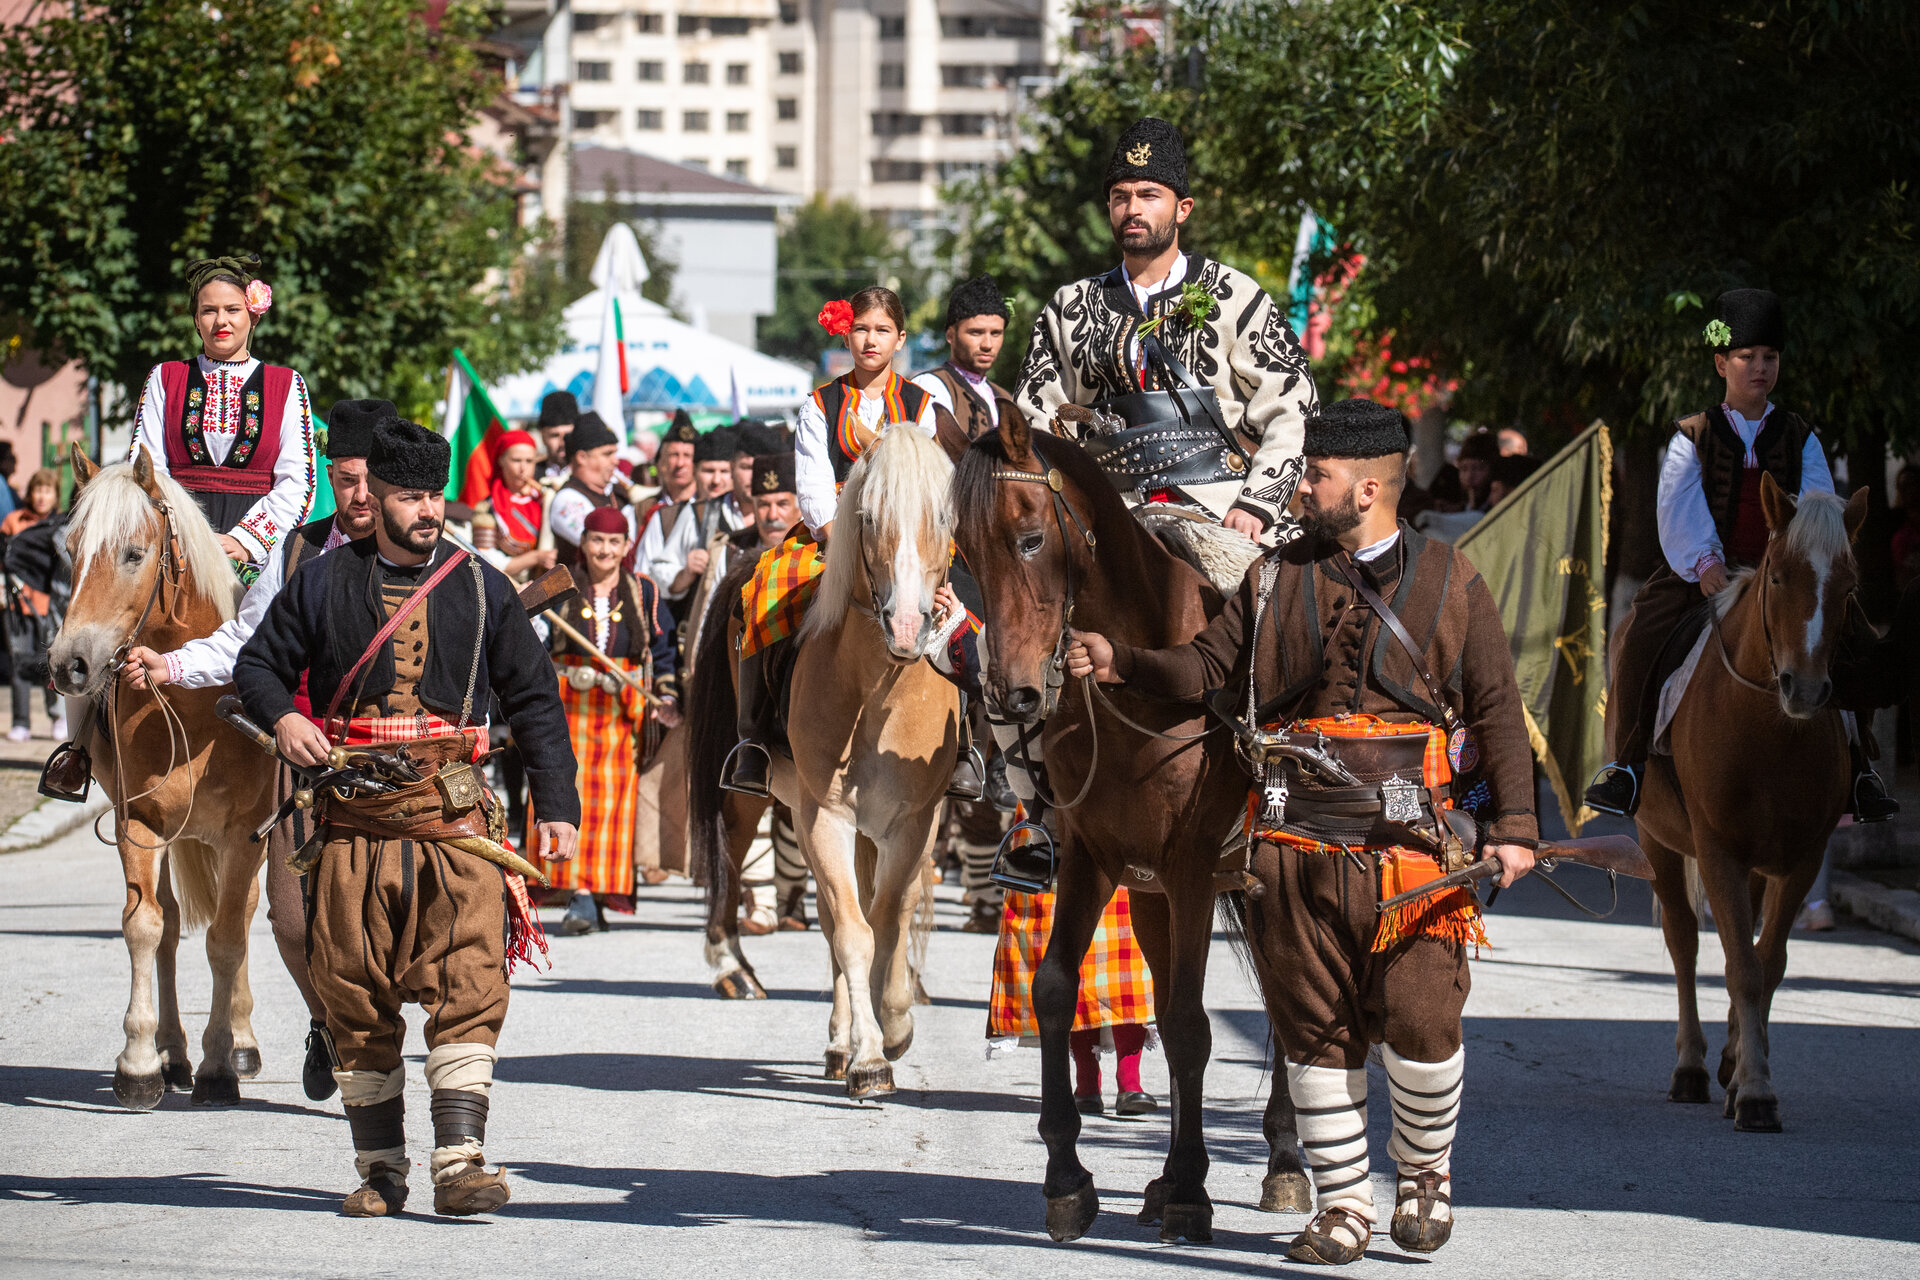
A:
<point x="998" y="792"/>
<point x="748" y="767"/>
<point x="316" y="1074"/>
<point x="1616" y="789"/>
<point x="1871" y="803"/>
<point x="969" y="780"/>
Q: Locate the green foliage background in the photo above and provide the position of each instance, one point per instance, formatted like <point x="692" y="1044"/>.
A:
<point x="832" y="249"/>
<point x="328" y="137"/>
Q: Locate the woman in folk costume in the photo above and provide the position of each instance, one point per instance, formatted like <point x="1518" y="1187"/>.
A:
<point x="835" y="428"/>
<point x="506" y="523"/>
<point x="1116" y="998"/>
<point x="237" y="434"/>
<point x="622" y="615"/>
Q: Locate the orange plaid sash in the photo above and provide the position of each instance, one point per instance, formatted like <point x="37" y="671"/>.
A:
<point x="1454" y="914"/>
<point x="775" y="598"/>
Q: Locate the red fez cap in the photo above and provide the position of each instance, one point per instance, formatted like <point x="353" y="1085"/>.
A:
<point x="606" y="520"/>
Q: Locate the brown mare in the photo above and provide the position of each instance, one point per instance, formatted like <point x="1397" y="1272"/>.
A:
<point x="873" y="735"/>
<point x="1156" y="813"/>
<point x="187" y="790"/>
<point x="1755" y="785"/>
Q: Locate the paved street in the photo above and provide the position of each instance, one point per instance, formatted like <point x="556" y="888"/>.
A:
<point x="651" y="1129"/>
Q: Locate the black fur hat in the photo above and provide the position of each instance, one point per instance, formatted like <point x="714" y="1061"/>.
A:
<point x="589" y="432"/>
<point x="682" y="431"/>
<point x="1356" y="429"/>
<point x="559" y="409"/>
<point x="1151" y="150"/>
<point x="979" y="296"/>
<point x="350" y="426"/>
<point x="773" y="473"/>
<point x="1752" y="318"/>
<point x="715" y="446"/>
<point x="755" y="438"/>
<point x="408" y="456"/>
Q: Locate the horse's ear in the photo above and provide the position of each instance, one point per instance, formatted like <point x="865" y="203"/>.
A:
<point x="143" y="469"/>
<point x="1856" y="512"/>
<point x="1775" y="503"/>
<point x="84" y="468"/>
<point x="1016" y="438"/>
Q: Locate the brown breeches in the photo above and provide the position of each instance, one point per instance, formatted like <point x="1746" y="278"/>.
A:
<point x="399" y="921"/>
<point x="286" y="898"/>
<point x="1329" y="994"/>
<point x="1633" y="699"/>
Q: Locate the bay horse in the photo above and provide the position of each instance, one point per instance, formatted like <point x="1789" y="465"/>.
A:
<point x="1755" y="785"/>
<point x="1052" y="544"/>
<point x="874" y="732"/>
<point x="187" y="790"/>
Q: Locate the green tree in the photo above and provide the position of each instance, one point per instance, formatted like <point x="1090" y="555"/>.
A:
<point x="831" y="249"/>
<point x="328" y="138"/>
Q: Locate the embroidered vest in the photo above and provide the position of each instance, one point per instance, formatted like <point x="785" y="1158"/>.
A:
<point x="248" y="468"/>
<point x="634" y="625"/>
<point x="847" y="436"/>
<point x="1779" y="447"/>
<point x="968" y="410"/>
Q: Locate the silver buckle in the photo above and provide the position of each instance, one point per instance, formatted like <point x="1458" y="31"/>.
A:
<point x="1401" y="798"/>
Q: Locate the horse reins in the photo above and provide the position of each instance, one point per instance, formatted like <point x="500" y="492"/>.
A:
<point x="1766" y="634"/>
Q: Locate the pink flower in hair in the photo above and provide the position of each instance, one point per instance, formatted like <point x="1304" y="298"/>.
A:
<point x="259" y="297"/>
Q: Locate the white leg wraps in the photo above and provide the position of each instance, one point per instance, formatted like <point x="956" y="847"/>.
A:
<point x="1426" y="1115"/>
<point x="1332" y="1107"/>
<point x="468" y="1068"/>
<point x="366" y="1089"/>
<point x="757" y="881"/>
<point x="1007" y="736"/>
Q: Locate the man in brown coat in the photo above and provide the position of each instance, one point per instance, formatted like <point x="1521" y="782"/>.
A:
<point x="1316" y="650"/>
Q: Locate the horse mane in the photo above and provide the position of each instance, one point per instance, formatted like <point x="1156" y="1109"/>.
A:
<point x="902" y="481"/>
<point x="1818" y="531"/>
<point x="113" y="511"/>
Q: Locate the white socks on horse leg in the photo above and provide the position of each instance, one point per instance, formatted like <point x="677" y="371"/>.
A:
<point x="465" y="1069"/>
<point x="1331" y="1104"/>
<point x="375" y="1117"/>
<point x="1426" y="1115"/>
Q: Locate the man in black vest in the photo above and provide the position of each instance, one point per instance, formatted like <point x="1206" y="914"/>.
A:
<point x="976" y="329"/>
<point x="1711" y="524"/>
<point x="590" y="483"/>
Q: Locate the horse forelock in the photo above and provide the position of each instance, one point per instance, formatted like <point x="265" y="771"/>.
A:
<point x="1818" y="535"/>
<point x="114" y="511"/>
<point x="903" y="482"/>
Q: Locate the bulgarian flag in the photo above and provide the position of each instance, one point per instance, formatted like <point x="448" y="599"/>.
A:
<point x="610" y="382"/>
<point x="471" y="424"/>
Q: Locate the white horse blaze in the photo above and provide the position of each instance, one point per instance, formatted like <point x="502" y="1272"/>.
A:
<point x="905" y="622"/>
<point x="1821" y="563"/>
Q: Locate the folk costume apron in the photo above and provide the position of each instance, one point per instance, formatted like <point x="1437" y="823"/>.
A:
<point x="1115" y="987"/>
<point x="775" y="599"/>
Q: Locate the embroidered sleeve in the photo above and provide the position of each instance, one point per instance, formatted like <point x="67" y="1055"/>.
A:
<point x="1269" y="370"/>
<point x="208" y="661"/>
<point x="1687" y="535"/>
<point x="1041" y="388"/>
<point x="569" y="514"/>
<point x="285" y="506"/>
<point x="149" y="418"/>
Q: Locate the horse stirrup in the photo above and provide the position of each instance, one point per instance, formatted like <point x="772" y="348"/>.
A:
<point x="728" y="779"/>
<point x="1027" y="868"/>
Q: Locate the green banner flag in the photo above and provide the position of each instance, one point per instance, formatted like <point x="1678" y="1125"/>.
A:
<point x="1543" y="553"/>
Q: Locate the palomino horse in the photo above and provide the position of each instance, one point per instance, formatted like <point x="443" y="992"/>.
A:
<point x="873" y="733"/>
<point x="1052" y="543"/>
<point x="187" y="790"/>
<point x="1755" y="710"/>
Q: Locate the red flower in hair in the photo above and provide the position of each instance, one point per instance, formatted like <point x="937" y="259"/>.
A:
<point x="837" y="317"/>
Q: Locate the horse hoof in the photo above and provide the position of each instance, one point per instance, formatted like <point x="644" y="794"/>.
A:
<point x="1727" y="1110"/>
<point x="895" y="1052"/>
<point x="217" y="1089"/>
<point x="1154" y="1202"/>
<point x="1757" y="1115"/>
<point x="1069" y="1216"/>
<point x="837" y="1064"/>
<point x="245" y="1063"/>
<point x="869" y="1082"/>
<point x="1689" y="1085"/>
<point x="178" y="1075"/>
<point x="1190" y="1222"/>
<point x="139" y="1093"/>
<point x="1286" y="1192"/>
<point x="739" y="985"/>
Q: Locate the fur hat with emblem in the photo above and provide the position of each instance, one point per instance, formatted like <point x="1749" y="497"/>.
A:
<point x="773" y="473"/>
<point x="1151" y="150"/>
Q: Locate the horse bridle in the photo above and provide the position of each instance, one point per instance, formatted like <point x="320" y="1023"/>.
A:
<point x="1766" y="634"/>
<point x="1054" y="673"/>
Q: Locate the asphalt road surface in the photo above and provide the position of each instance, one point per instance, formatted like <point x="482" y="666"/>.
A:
<point x="651" y="1129"/>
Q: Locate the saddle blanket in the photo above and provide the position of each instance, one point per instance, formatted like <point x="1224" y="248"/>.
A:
<point x="1674" y="690"/>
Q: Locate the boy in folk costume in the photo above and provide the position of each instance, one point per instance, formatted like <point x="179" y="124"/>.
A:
<point x="1304" y="644"/>
<point x="237" y="434"/>
<point x="209" y="661"/>
<point x="621" y="614"/>
<point x="1711" y="526"/>
<point x="402" y="638"/>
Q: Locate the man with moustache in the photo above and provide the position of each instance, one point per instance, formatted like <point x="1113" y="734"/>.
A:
<point x="402" y="639"/>
<point x="208" y="661"/>
<point x="699" y="528"/>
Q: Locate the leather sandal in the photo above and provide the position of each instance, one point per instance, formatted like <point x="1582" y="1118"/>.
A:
<point x="473" y="1190"/>
<point x="1319" y="1246"/>
<point x="382" y="1195"/>
<point x="1414" y="1227"/>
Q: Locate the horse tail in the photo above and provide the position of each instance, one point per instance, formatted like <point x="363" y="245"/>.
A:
<point x="711" y="720"/>
<point x="196" y="880"/>
<point x="1696" y="889"/>
<point x="1236" y="923"/>
<point x="921" y="932"/>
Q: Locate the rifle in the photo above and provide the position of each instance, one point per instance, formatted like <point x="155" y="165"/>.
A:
<point x="1615" y="855"/>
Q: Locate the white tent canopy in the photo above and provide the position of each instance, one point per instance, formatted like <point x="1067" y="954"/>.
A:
<point x="670" y="365"/>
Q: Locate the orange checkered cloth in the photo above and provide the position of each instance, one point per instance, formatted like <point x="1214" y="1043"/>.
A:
<point x="1454" y="914"/>
<point x="1115" y="987"/>
<point x="775" y="599"/>
<point x="603" y="727"/>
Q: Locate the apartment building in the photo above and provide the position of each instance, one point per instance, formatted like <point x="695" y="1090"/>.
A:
<point x="877" y="101"/>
